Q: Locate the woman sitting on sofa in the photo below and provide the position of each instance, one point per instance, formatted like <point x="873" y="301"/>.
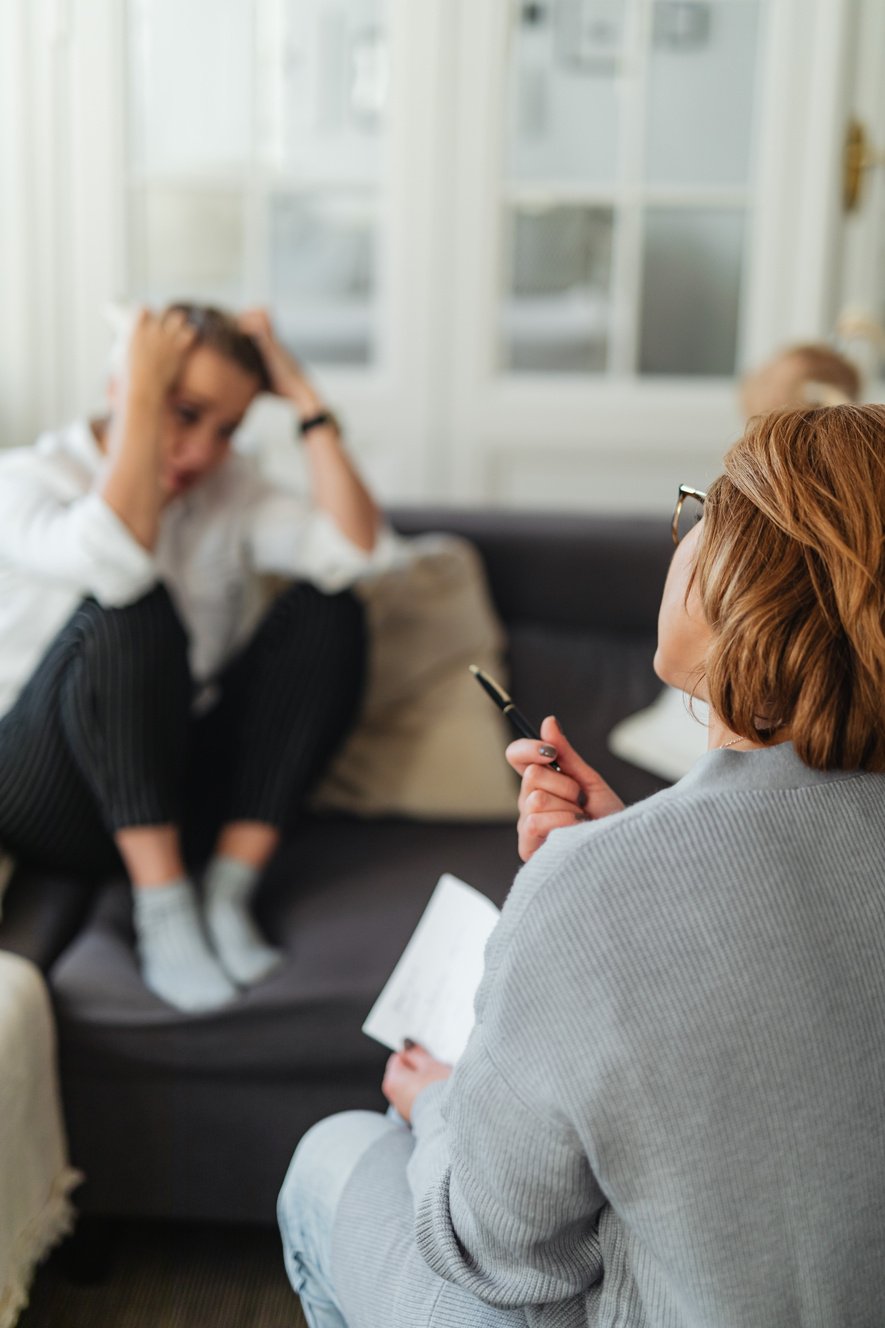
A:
<point x="127" y="548"/>
<point x="670" y="1108"/>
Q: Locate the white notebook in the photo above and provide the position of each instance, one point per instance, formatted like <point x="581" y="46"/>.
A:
<point x="429" y="995"/>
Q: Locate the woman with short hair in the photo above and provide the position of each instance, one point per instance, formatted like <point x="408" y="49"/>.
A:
<point x="669" y="1112"/>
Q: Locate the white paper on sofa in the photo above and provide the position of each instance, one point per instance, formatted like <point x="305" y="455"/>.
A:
<point x="429" y="995"/>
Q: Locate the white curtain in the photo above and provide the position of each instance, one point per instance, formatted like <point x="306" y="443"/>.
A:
<point x="59" y="112"/>
<point x="18" y="385"/>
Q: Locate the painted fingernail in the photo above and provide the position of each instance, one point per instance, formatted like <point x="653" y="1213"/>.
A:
<point x="546" y="750"/>
<point x="408" y="1044"/>
<point x="582" y="798"/>
<point x="581" y="816"/>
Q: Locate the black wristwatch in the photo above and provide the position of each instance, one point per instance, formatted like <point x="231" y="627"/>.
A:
<point x="324" y="418"/>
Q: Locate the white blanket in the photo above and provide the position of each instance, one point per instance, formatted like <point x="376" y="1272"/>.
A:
<point x="35" y="1180"/>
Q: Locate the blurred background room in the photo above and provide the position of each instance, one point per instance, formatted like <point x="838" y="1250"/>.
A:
<point x="528" y="246"/>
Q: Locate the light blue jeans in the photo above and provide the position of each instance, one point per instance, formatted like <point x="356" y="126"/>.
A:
<point x="323" y="1164"/>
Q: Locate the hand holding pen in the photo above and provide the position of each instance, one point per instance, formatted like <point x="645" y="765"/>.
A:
<point x="552" y="798"/>
<point x="559" y="788"/>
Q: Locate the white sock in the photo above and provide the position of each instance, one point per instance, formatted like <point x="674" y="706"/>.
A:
<point x="176" y="962"/>
<point x="227" y="891"/>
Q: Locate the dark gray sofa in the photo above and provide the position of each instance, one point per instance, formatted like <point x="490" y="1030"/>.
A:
<point x="196" y="1116"/>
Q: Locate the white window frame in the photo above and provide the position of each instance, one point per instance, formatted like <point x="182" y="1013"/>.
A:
<point x="433" y="420"/>
<point x="629" y="433"/>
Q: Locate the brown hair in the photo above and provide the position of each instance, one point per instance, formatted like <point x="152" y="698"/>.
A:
<point x="221" y="332"/>
<point x="791" y="575"/>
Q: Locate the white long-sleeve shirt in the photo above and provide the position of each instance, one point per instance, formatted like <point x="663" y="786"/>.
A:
<point x="61" y="542"/>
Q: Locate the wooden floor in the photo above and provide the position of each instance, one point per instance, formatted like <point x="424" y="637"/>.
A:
<point x="169" y="1276"/>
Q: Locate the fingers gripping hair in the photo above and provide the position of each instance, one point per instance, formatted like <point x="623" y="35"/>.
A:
<point x="215" y="328"/>
<point x="220" y="332"/>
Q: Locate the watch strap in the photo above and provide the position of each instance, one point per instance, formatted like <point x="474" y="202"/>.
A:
<point x="325" y="417"/>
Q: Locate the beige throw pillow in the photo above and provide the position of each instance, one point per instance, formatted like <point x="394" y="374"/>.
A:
<point x="429" y="744"/>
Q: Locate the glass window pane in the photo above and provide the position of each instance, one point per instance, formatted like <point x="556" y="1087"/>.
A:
<point x="324" y="88"/>
<point x="188" y="243"/>
<point x="191" y="68"/>
<point x="556" y="314"/>
<point x="565" y="65"/>
<point x="692" y="264"/>
<point x="323" y="274"/>
<point x="702" y="91"/>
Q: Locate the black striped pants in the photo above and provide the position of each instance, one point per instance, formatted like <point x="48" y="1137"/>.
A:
<point x="102" y="736"/>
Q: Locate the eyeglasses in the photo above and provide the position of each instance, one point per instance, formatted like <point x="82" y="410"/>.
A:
<point x="689" y="510"/>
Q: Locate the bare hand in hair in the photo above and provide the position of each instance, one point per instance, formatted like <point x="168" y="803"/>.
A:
<point x="158" y="347"/>
<point x="550" y="800"/>
<point x="336" y="486"/>
<point x="286" y="374"/>
<point x="131" y="485"/>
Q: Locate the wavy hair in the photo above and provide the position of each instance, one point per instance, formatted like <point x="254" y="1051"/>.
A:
<point x="791" y="577"/>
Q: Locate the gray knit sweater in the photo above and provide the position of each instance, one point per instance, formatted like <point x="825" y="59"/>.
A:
<point x="671" y="1111"/>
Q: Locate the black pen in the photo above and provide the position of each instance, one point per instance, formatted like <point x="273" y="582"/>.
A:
<point x="509" y="708"/>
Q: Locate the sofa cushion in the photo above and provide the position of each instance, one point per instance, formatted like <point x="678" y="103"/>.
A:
<point x="197" y="1116"/>
<point x="342" y="899"/>
<point x="428" y="742"/>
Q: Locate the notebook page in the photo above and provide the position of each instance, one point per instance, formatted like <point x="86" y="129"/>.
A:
<point x="429" y="995"/>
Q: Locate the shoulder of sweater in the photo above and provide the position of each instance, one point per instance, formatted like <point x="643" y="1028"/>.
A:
<point x="635" y="831"/>
<point x="635" y="849"/>
<point x="625" y="848"/>
<point x="622" y="832"/>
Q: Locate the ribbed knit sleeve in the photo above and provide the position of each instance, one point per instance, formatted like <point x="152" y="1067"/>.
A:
<point x="513" y="1218"/>
<point x="430" y="1156"/>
